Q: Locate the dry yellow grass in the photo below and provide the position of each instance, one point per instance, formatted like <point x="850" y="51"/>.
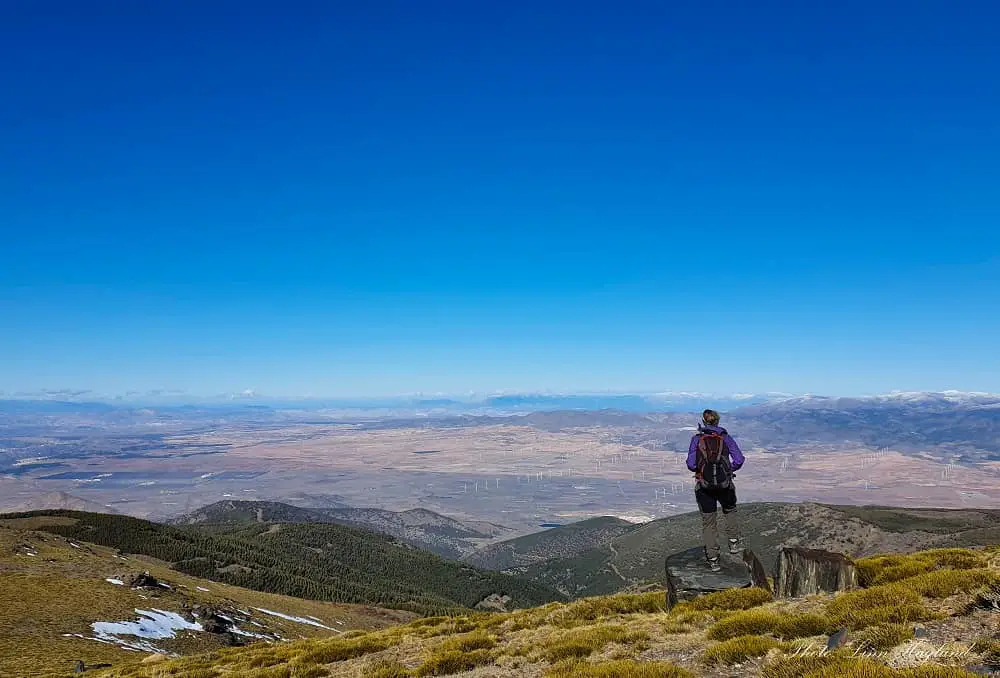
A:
<point x="583" y="642"/>
<point x="883" y="637"/>
<point x="590" y="609"/>
<point x="618" y="669"/>
<point x="607" y="637"/>
<point x="730" y="600"/>
<point x="385" y="668"/>
<point x="62" y="590"/>
<point x="739" y="649"/>
<point x="885" y="569"/>
<point x="840" y="664"/>
<point x="889" y="603"/>
<point x="988" y="649"/>
<point x="785" y="625"/>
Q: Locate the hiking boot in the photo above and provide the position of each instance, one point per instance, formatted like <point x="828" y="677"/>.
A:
<point x="713" y="565"/>
<point x="734" y="547"/>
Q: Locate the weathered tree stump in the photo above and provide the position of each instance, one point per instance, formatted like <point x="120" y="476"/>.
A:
<point x="688" y="575"/>
<point x="803" y="572"/>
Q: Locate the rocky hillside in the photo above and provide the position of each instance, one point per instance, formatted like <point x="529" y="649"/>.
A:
<point x="903" y="622"/>
<point x="445" y="536"/>
<point x="316" y="561"/>
<point x="636" y="557"/>
<point x="555" y="543"/>
<point x="234" y="512"/>
<point x="64" y="601"/>
<point x="57" y="500"/>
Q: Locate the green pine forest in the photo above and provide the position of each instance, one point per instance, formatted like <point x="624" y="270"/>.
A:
<point x="317" y="561"/>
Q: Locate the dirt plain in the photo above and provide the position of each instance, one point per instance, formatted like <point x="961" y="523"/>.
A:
<point x="519" y="476"/>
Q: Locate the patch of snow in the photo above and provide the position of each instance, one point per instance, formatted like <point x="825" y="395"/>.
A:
<point x="314" y="618"/>
<point x="166" y="586"/>
<point x="116" y="582"/>
<point x="250" y="634"/>
<point x="202" y="588"/>
<point x="152" y="625"/>
<point x="76" y="546"/>
<point x="227" y="618"/>
<point x="300" y="620"/>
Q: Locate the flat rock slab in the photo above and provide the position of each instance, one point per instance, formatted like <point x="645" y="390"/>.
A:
<point x="688" y="575"/>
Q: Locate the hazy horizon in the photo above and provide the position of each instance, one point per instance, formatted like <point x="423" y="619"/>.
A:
<point x="469" y="397"/>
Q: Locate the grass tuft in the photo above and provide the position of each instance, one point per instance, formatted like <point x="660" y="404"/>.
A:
<point x="446" y="662"/>
<point x="584" y="642"/>
<point x="796" y="666"/>
<point x="757" y="622"/>
<point x="327" y="652"/>
<point x="884" y="637"/>
<point x="385" y="669"/>
<point x="478" y="640"/>
<point x="730" y="599"/>
<point x="989" y="649"/>
<point x="945" y="583"/>
<point x="591" y="609"/>
<point x="840" y="665"/>
<point x="738" y="650"/>
<point x="617" y="669"/>
<point x="885" y="569"/>
<point x="889" y="603"/>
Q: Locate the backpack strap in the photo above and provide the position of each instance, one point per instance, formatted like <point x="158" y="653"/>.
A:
<point x="702" y="456"/>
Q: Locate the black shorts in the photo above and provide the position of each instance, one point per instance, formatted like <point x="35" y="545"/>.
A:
<point x="708" y="500"/>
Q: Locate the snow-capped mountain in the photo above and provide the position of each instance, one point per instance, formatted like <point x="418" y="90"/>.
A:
<point x="962" y="424"/>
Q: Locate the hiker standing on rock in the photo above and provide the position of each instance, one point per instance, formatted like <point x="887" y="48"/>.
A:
<point x="713" y="456"/>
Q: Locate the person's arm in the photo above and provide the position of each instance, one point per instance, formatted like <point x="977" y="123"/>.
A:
<point x="735" y="453"/>
<point x="692" y="460"/>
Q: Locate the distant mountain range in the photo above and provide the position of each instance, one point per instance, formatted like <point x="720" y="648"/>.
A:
<point x="965" y="426"/>
<point x="88" y="401"/>
<point x="444" y="536"/>
<point x="58" y="500"/>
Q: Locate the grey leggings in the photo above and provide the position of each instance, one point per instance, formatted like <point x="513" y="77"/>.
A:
<point x="708" y="502"/>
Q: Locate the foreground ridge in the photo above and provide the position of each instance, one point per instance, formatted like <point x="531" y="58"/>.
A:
<point x="901" y="622"/>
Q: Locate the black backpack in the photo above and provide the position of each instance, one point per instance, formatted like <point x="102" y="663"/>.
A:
<point x="715" y="471"/>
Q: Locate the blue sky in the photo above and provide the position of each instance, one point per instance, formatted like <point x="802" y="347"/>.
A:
<point x="339" y="198"/>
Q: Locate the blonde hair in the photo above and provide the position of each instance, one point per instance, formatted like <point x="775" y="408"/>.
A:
<point x="710" y="417"/>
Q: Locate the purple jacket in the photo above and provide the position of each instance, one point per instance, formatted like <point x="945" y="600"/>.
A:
<point x="735" y="454"/>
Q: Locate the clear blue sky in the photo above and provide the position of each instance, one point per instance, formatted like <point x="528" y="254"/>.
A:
<point x="354" y="198"/>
